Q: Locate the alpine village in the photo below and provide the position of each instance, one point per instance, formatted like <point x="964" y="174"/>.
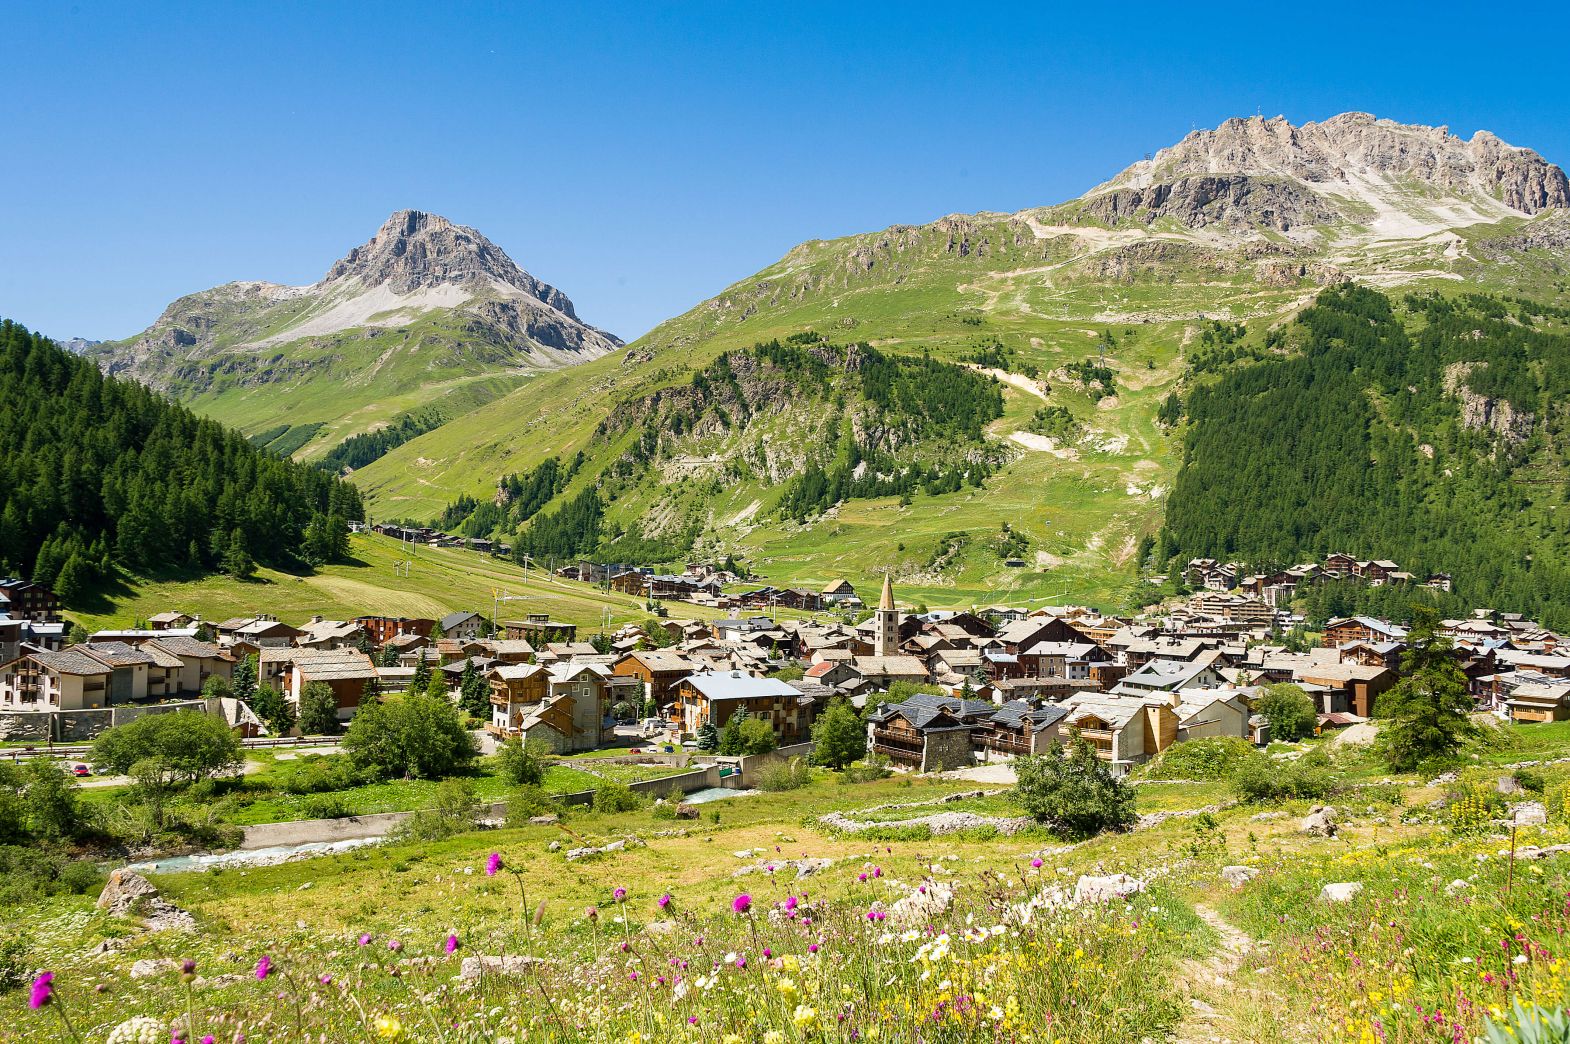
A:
<point x="1138" y="618"/>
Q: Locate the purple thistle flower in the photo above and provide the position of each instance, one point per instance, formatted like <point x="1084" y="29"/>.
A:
<point x="877" y="871"/>
<point x="1035" y="864"/>
<point x="861" y="877"/>
<point x="493" y="864"/>
<point x="263" y="967"/>
<point x="619" y="894"/>
<point x="207" y="1038"/>
<point x="791" y="902"/>
<point x="43" y="990"/>
<point x="741" y="904"/>
<point x="741" y="962"/>
<point x="324" y="979"/>
<point x="365" y="939"/>
<point x="394" y="945"/>
<point x="188" y="967"/>
<point x="452" y="944"/>
<point x="664" y="901"/>
<point x="767" y="953"/>
<point x="812" y="947"/>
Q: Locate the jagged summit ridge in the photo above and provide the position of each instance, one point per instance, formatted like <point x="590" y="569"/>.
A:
<point x="1348" y="154"/>
<point x="414" y="250"/>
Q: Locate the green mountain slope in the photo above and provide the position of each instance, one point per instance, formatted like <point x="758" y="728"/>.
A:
<point x="427" y="316"/>
<point x="1088" y="314"/>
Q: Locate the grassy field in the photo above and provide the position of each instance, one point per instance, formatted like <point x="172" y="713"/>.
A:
<point x="440" y="581"/>
<point x="1446" y="931"/>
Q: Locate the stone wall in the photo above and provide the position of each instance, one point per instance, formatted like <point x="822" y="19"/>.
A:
<point x="80" y="726"/>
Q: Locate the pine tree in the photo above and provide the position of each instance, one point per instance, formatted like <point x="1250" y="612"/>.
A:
<point x="237" y="560"/>
<point x="422" y="674"/>
<point x="243" y="682"/>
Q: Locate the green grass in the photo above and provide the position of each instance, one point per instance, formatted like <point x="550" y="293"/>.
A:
<point x="441" y="580"/>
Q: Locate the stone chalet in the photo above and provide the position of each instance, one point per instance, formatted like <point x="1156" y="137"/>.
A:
<point x="927" y="733"/>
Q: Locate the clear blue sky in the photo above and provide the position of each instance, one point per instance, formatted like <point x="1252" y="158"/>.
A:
<point x="642" y="157"/>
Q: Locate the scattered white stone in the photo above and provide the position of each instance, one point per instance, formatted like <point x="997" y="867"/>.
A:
<point x="1457" y="886"/>
<point x="1340" y="892"/>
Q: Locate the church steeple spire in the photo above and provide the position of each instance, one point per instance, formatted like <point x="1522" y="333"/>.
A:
<point x="886" y="639"/>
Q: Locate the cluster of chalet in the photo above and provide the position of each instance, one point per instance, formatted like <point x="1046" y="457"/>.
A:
<point x="704" y="584"/>
<point x="993" y="683"/>
<point x="425" y="536"/>
<point x="1280" y="587"/>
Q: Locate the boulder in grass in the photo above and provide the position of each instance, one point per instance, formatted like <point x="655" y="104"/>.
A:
<point x="479" y="967"/>
<point x="1320" y="822"/>
<point x="1340" y="892"/>
<point x="151" y="967"/>
<point x="1238" y="876"/>
<point x="1104" y="889"/>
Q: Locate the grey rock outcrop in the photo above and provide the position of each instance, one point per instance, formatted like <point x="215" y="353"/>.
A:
<point x="1340" y="892"/>
<point x="1320" y="822"/>
<point x="129" y="894"/>
<point x="1356" y="146"/>
<point x="1238" y="876"/>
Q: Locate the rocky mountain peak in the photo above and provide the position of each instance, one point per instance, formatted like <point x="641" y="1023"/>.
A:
<point x="414" y="250"/>
<point x="1348" y="153"/>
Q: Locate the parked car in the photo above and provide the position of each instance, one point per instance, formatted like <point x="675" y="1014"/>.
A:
<point x="81" y="770"/>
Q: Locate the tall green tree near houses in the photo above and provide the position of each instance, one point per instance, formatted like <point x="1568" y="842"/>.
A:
<point x="474" y="693"/>
<point x="732" y="740"/>
<point x="838" y="736"/>
<point x="318" y="710"/>
<point x="436" y="684"/>
<point x="422" y="674"/>
<point x="242" y="684"/>
<point x="1424" y="717"/>
<point x="275" y="711"/>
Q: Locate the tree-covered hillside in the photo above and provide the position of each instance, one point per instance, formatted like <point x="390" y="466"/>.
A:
<point x="806" y="423"/>
<point x="97" y="472"/>
<point x="1430" y="430"/>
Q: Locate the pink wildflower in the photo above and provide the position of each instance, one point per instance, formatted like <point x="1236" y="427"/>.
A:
<point x="493" y="864"/>
<point x="43" y="991"/>
<point x="741" y="904"/>
<point x="264" y="966"/>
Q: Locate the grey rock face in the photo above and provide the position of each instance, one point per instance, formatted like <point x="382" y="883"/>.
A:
<point x="1354" y="145"/>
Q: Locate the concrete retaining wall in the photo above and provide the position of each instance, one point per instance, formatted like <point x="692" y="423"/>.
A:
<point x="308" y="831"/>
<point x="79" y="725"/>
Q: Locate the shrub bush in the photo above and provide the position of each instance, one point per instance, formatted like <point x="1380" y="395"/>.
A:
<point x="1262" y="778"/>
<point x="1073" y="792"/>
<point x="872" y="769"/>
<point x="617" y="797"/>
<point x="784" y="775"/>
<point x="529" y="801"/>
<point x="325" y="806"/>
<point x="1204" y="759"/>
